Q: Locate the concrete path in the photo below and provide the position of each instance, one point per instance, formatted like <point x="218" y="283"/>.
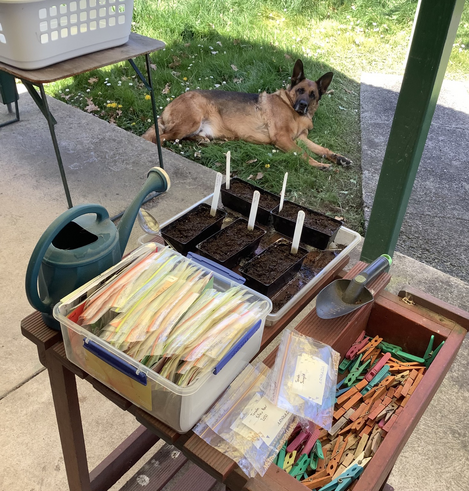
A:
<point x="435" y="229"/>
<point x="107" y="165"/>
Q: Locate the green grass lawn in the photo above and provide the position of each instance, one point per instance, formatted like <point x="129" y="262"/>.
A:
<point x="252" y="47"/>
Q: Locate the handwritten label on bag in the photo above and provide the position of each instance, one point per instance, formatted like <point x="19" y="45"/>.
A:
<point x="309" y="380"/>
<point x="264" y="418"/>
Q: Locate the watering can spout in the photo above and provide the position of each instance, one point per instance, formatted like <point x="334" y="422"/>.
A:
<point x="157" y="181"/>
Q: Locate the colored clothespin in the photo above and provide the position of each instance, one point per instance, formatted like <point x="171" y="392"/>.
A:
<point x="429" y="347"/>
<point x="344" y="480"/>
<point x="429" y="361"/>
<point x="355" y="372"/>
<point x="289" y="461"/>
<point x="408" y="357"/>
<point x="311" y="442"/>
<point x="381" y="375"/>
<point x="344" y="365"/>
<point x="375" y="370"/>
<point x="389" y="348"/>
<point x="299" y="468"/>
<point x="361" y="341"/>
<point x="281" y="456"/>
<point x="302" y="436"/>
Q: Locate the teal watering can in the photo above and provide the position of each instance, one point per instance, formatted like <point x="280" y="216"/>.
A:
<point x="78" y="246"/>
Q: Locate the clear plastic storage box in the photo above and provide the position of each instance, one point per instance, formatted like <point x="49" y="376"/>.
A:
<point x="38" y="33"/>
<point x="178" y="407"/>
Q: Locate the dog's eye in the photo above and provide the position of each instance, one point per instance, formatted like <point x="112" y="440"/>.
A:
<point x="312" y="95"/>
<point x="300" y="91"/>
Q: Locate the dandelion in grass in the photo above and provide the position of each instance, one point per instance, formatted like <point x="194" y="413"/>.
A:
<point x="112" y="104"/>
<point x="184" y="78"/>
<point x="267" y="166"/>
<point x="147" y="97"/>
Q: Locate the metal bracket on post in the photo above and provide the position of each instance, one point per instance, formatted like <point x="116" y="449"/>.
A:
<point x="434" y="34"/>
<point x="149" y="86"/>
<point x="8" y="95"/>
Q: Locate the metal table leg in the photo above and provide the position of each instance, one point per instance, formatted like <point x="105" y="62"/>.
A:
<point x="41" y="102"/>
<point x="149" y="85"/>
<point x="10" y="111"/>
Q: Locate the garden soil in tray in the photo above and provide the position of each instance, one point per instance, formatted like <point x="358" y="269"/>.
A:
<point x="193" y="227"/>
<point x="245" y="191"/>
<point x="313" y="263"/>
<point x="316" y="221"/>
<point x="273" y="268"/>
<point x="230" y="241"/>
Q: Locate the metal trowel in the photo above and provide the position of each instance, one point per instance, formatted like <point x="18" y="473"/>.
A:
<point x="344" y="296"/>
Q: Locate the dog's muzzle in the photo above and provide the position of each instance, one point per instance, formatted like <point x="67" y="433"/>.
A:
<point x="301" y="107"/>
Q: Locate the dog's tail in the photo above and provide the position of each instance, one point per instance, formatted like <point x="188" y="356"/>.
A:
<point x="150" y="134"/>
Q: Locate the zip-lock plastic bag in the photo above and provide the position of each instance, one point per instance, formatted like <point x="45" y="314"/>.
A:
<point x="304" y="378"/>
<point x="244" y="425"/>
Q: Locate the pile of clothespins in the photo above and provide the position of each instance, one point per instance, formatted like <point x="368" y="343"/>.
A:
<point x="381" y="378"/>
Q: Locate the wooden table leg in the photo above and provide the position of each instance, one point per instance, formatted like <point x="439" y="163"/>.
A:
<point x="67" y="410"/>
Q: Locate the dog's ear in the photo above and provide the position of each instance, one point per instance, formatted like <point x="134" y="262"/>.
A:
<point x="323" y="83"/>
<point x="298" y="74"/>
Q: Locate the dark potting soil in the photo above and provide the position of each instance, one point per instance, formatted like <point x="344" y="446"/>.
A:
<point x="272" y="263"/>
<point x="191" y="224"/>
<point x="313" y="263"/>
<point x="230" y="240"/>
<point x="245" y="191"/>
<point x="318" y="222"/>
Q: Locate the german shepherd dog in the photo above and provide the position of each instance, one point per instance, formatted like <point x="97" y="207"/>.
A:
<point x="268" y="119"/>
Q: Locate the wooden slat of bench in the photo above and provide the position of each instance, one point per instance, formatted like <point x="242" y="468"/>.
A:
<point x="122" y="458"/>
<point x="158" y="471"/>
<point x="194" y="479"/>
<point x="34" y="329"/>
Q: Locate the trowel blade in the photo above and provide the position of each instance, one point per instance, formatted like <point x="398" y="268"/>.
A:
<point x="330" y="304"/>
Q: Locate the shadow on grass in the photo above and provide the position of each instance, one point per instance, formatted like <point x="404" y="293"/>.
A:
<point x="208" y="60"/>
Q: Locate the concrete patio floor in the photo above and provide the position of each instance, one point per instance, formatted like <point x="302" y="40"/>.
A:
<point x="107" y="165"/>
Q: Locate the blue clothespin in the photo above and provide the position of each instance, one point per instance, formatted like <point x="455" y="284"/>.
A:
<point x="344" y="480"/>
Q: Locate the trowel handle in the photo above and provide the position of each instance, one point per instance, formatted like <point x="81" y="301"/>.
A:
<point x="362" y="279"/>
<point x="35" y="262"/>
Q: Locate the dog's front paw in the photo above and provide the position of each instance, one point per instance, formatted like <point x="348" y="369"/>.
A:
<point x="344" y="161"/>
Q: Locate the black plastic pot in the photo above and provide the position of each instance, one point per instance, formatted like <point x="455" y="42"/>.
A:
<point x="189" y="244"/>
<point x="242" y="205"/>
<point x="238" y="251"/>
<point x="280" y="281"/>
<point x="316" y="237"/>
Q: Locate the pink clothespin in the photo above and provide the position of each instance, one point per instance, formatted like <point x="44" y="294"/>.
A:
<point x="311" y="441"/>
<point x="302" y="436"/>
<point x="374" y="371"/>
<point x="356" y="346"/>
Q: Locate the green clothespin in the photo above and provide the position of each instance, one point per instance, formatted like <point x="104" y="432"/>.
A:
<point x="389" y="348"/>
<point x="408" y="357"/>
<point x="432" y="357"/>
<point x="355" y="372"/>
<point x="281" y="456"/>
<point x="300" y="466"/>
<point x="344" y="364"/>
<point x="318" y="449"/>
<point x="429" y="347"/>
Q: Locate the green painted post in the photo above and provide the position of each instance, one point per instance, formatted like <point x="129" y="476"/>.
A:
<point x="434" y="34"/>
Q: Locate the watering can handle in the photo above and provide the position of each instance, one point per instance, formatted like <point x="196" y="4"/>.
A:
<point x="40" y="250"/>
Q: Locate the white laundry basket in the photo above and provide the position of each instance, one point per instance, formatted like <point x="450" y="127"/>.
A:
<point x="38" y="33"/>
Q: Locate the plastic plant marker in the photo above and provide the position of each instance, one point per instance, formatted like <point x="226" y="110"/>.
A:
<point x="216" y="194"/>
<point x="252" y="214"/>
<point x="297" y="234"/>
<point x="282" y="194"/>
<point x="228" y="169"/>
